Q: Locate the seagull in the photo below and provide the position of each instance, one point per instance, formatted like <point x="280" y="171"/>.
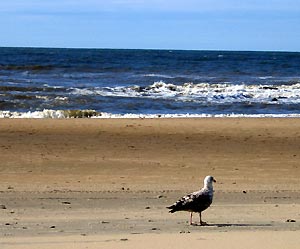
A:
<point x="197" y="201"/>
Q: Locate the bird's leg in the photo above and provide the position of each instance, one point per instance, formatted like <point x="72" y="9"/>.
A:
<point x="202" y="223"/>
<point x="191" y="219"/>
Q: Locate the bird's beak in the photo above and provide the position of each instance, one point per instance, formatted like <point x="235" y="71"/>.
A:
<point x="214" y="180"/>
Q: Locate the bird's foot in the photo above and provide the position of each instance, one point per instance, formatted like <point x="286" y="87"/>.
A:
<point x="203" y="223"/>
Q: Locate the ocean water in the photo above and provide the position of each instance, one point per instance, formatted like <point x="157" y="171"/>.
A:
<point x="62" y="82"/>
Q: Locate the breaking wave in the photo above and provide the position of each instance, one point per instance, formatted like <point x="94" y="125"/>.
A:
<point x="51" y="114"/>
<point x="203" y="92"/>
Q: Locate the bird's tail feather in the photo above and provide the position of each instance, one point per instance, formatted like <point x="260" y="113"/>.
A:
<point x="172" y="209"/>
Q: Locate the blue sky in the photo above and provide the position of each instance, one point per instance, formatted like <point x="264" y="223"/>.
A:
<point x="169" y="24"/>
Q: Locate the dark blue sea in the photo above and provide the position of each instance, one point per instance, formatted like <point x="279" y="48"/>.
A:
<point x="120" y="81"/>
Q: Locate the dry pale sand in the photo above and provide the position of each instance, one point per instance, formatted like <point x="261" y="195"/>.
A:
<point x="82" y="183"/>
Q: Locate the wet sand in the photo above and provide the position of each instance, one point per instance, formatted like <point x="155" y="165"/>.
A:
<point x="88" y="183"/>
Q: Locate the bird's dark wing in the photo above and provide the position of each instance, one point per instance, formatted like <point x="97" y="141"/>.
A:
<point x="194" y="202"/>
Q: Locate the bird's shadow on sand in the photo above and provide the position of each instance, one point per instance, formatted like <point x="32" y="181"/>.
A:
<point x="233" y="225"/>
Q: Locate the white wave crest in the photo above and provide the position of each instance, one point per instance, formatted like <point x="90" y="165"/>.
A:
<point x="46" y="113"/>
<point x="159" y="75"/>
<point x="36" y="114"/>
<point x="204" y="92"/>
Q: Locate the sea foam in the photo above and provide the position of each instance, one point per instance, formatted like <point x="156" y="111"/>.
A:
<point x="203" y="92"/>
<point x="58" y="114"/>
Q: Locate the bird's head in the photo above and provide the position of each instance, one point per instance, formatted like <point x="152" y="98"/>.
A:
<point x="208" y="181"/>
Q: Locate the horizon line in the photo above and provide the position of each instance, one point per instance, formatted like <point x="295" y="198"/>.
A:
<point x="162" y="49"/>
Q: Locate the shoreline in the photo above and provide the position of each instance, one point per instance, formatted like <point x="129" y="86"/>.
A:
<point x="62" y="114"/>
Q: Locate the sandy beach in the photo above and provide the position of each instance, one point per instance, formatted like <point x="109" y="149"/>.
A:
<point x="87" y="183"/>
